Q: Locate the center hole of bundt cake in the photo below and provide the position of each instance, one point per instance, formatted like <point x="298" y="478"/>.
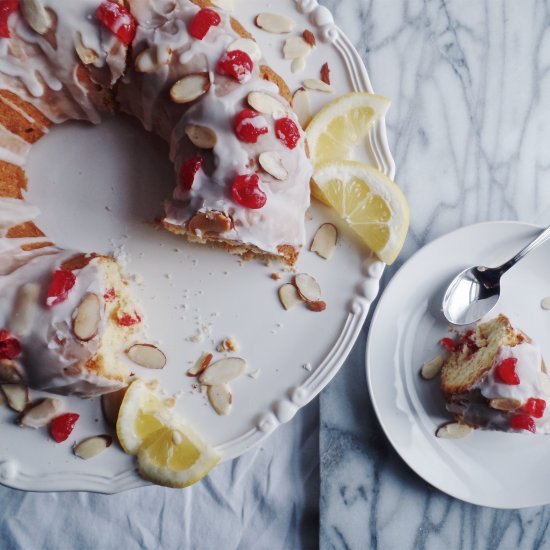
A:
<point x="97" y="184"/>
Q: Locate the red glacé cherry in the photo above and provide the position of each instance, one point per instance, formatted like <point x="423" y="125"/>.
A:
<point x="448" y="344"/>
<point x="127" y="320"/>
<point x="246" y="191"/>
<point x="201" y="23"/>
<point x="506" y="371"/>
<point x="534" y="407"/>
<point x="63" y="281"/>
<point x="62" y="426"/>
<point x="523" y="422"/>
<point x="7" y="7"/>
<point x="236" y="64"/>
<point x="10" y="347"/>
<point x="188" y="171"/>
<point x="118" y="20"/>
<point x="287" y="131"/>
<point x="245" y="130"/>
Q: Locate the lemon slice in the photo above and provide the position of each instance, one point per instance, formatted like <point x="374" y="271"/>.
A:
<point x="168" y="451"/>
<point x="372" y="205"/>
<point x="338" y="127"/>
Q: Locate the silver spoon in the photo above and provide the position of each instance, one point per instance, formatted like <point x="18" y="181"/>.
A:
<point x="475" y="291"/>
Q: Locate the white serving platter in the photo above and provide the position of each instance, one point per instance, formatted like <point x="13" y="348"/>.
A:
<point x="100" y="188"/>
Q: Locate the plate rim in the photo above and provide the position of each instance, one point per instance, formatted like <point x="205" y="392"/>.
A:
<point x="377" y="408"/>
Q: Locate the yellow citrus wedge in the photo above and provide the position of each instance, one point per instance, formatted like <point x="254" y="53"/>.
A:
<point x="338" y="127"/>
<point x="372" y="205"/>
<point x="168" y="451"/>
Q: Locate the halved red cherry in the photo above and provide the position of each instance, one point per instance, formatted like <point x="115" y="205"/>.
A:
<point x="188" y="171"/>
<point x="201" y="23"/>
<point x="63" y="280"/>
<point x="110" y="295"/>
<point x="129" y="320"/>
<point x="287" y="131"/>
<point x="506" y="371"/>
<point x="245" y="127"/>
<point x="523" y="422"/>
<point x="534" y="407"/>
<point x="246" y="191"/>
<point x="62" y="426"/>
<point x="7" y="7"/>
<point x="236" y="64"/>
<point x="118" y="20"/>
<point x="448" y="343"/>
<point x="10" y="347"/>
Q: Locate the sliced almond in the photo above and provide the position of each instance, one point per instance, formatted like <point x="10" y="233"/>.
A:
<point x="298" y="65"/>
<point x="201" y="136"/>
<point x="87" y="317"/>
<point x="110" y="405"/>
<point x="317" y="306"/>
<point x="220" y="398"/>
<point x="318" y="85"/>
<point x="505" y="404"/>
<point x="432" y="368"/>
<point x="545" y="303"/>
<point x="209" y="222"/>
<point x="289" y="296"/>
<point x="309" y="37"/>
<point x="41" y="413"/>
<point x="189" y="88"/>
<point x="201" y="365"/>
<point x="275" y="23"/>
<point x="92" y="446"/>
<point x="223" y="371"/>
<point x="265" y="104"/>
<point x="248" y="46"/>
<point x="9" y="373"/>
<point x="324" y="241"/>
<point x="325" y="74"/>
<point x="272" y="163"/>
<point x="301" y="103"/>
<point x="147" y="356"/>
<point x="86" y="55"/>
<point x="296" y="47"/>
<point x="17" y="396"/>
<point x="308" y="287"/>
<point x="36" y="16"/>
<point x="24" y="309"/>
<point x="454" y="430"/>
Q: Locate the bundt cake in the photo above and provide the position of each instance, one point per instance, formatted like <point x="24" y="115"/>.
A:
<point x="494" y="378"/>
<point x="192" y="75"/>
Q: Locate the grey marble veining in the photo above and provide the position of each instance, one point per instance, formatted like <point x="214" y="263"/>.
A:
<point x="470" y="131"/>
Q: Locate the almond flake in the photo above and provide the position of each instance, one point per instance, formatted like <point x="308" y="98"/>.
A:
<point x="9" y="373"/>
<point x="40" y="414"/>
<point x="309" y="38"/>
<point x="86" y="55"/>
<point x="432" y="368"/>
<point x="36" y="16"/>
<point x="220" y="398"/>
<point x="324" y="241"/>
<point x="274" y="23"/>
<point x="265" y="104"/>
<point x="318" y="85"/>
<point x="289" y="296"/>
<point x="223" y="371"/>
<point x="92" y="446"/>
<point x="24" y="308"/>
<point x="308" y="287"/>
<point x="296" y="47"/>
<point x="454" y="430"/>
<point x="17" y="396"/>
<point x="110" y="405"/>
<point x="147" y="356"/>
<point x="272" y="163"/>
<point x="248" y="46"/>
<point x="201" y="136"/>
<point x="201" y="365"/>
<point x="189" y="88"/>
<point x="325" y="74"/>
<point x="504" y="404"/>
<point x="87" y="317"/>
<point x="317" y="306"/>
<point x="298" y="65"/>
<point x="301" y="103"/>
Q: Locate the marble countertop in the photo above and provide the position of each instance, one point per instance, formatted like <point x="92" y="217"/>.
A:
<point x="469" y="128"/>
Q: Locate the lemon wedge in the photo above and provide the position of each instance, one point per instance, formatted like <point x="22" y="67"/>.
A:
<point x="168" y="451"/>
<point x="372" y="205"/>
<point x="338" y="127"/>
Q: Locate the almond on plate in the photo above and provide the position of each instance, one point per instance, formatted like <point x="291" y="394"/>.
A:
<point x="223" y="371"/>
<point x="17" y="396"/>
<point x="317" y="306"/>
<point x="220" y="398"/>
<point x="454" y="430"/>
<point x="201" y="365"/>
<point x="147" y="356"/>
<point x="92" y="446"/>
<point x="318" y="85"/>
<point x="324" y="241"/>
<point x="308" y="287"/>
<point x="265" y="104"/>
<point x="288" y="294"/>
<point x="301" y="103"/>
<point x="275" y="23"/>
<point x="432" y="368"/>
<point x="41" y="413"/>
<point x="9" y="372"/>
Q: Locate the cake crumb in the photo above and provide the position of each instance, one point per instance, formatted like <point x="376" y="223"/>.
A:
<point x="153" y="384"/>
<point x="307" y="366"/>
<point x="276" y="276"/>
<point x="227" y="344"/>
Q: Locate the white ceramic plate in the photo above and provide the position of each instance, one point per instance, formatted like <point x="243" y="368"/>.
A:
<point x="99" y="188"/>
<point x="488" y="468"/>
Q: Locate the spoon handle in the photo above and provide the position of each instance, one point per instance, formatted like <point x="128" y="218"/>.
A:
<point x="543" y="237"/>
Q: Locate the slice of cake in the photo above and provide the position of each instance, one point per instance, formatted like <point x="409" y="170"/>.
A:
<point x="494" y="378"/>
<point x="66" y="320"/>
